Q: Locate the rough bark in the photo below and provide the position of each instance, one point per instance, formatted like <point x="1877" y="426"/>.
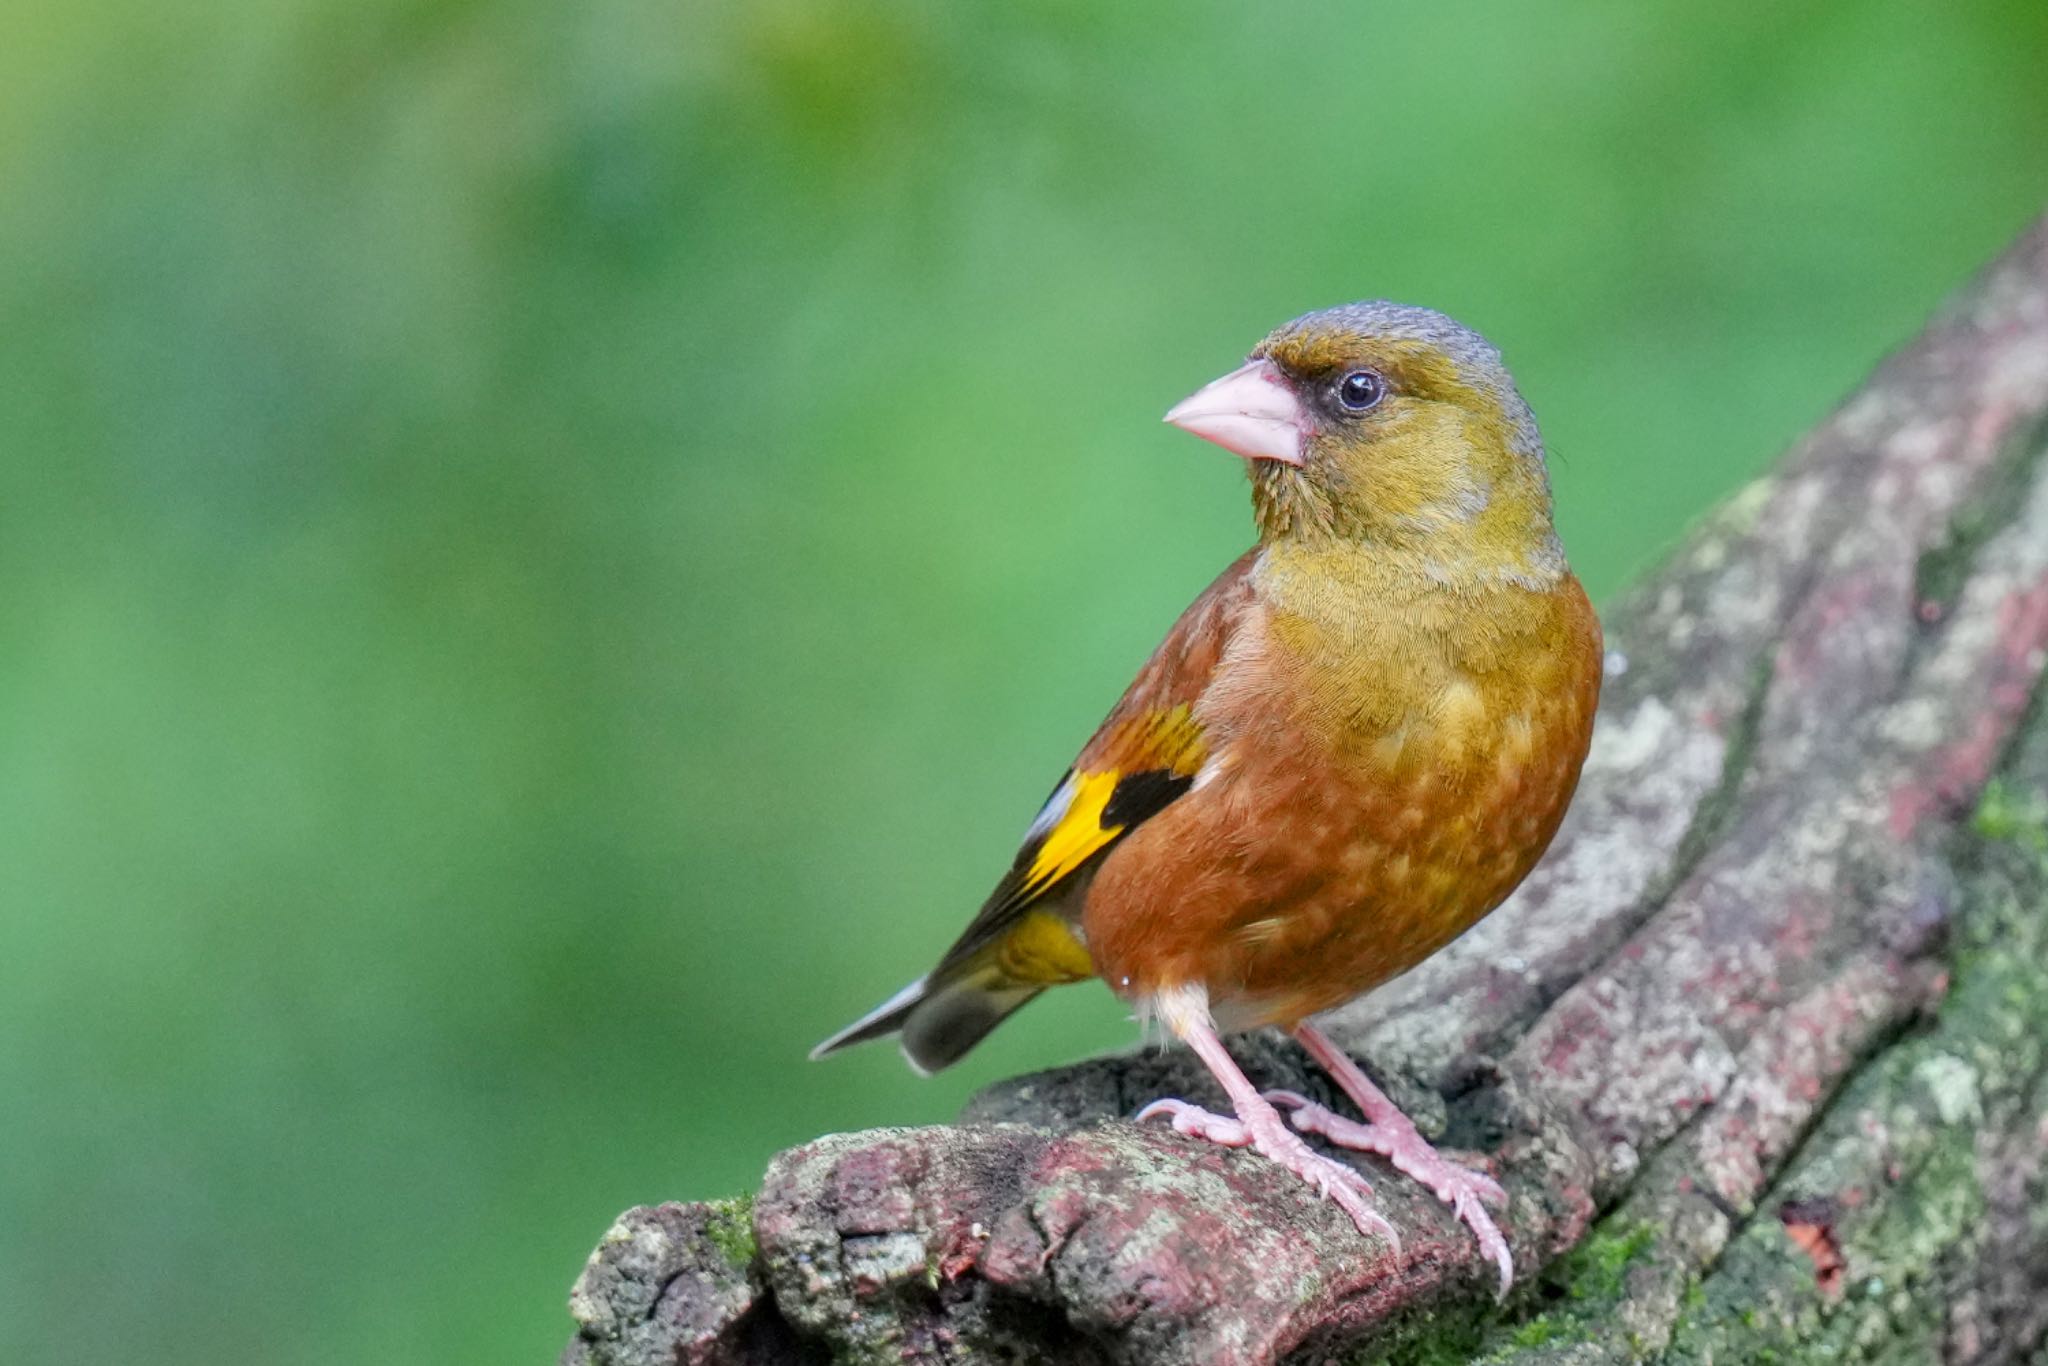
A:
<point x="1760" y="1052"/>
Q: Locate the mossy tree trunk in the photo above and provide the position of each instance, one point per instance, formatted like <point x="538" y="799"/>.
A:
<point x="1761" y="1051"/>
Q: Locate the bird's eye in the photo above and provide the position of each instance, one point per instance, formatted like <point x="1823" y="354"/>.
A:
<point x="1359" y="390"/>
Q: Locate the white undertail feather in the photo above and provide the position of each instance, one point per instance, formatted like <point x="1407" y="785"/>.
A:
<point x="1180" y="1008"/>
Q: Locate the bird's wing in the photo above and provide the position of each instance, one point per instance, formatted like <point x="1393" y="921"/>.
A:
<point x="1144" y="756"/>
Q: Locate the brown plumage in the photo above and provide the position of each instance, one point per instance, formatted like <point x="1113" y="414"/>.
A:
<point x="1351" y="747"/>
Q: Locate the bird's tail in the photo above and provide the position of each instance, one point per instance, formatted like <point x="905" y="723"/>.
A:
<point x="939" y="1019"/>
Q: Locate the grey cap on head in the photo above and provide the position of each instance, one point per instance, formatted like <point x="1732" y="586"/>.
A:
<point x="1478" y="360"/>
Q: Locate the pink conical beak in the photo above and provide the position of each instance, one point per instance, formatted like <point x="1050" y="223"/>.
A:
<point x="1251" y="411"/>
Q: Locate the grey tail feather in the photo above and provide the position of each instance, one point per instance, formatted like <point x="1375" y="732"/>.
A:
<point x="939" y="1024"/>
<point x="884" y="1020"/>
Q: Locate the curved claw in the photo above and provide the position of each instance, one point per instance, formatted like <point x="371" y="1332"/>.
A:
<point x="1349" y="1191"/>
<point x="1491" y="1242"/>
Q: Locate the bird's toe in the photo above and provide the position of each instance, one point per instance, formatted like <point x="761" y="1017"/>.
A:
<point x="1192" y="1120"/>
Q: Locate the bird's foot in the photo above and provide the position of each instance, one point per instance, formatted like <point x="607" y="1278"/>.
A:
<point x="1263" y="1130"/>
<point x="1395" y="1138"/>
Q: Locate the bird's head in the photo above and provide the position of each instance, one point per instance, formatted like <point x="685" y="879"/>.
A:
<point x="1390" y="425"/>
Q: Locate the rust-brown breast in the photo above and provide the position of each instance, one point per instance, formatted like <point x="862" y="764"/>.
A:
<point x="1373" y="791"/>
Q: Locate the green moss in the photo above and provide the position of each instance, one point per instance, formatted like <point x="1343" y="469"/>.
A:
<point x="1594" y="1270"/>
<point x="1568" y="1303"/>
<point x="1433" y="1339"/>
<point x="729" y="1224"/>
<point x="1585" y="1282"/>
<point x="2014" y="814"/>
<point x="1536" y="1331"/>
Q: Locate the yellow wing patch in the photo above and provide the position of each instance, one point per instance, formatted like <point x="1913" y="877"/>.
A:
<point x="1078" y="834"/>
<point x="1163" y="741"/>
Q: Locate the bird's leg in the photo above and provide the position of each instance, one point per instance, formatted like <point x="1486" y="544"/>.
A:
<point x="1393" y="1135"/>
<point x="1257" y="1124"/>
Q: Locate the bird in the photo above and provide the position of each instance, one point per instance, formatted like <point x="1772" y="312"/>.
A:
<point x="1347" y="750"/>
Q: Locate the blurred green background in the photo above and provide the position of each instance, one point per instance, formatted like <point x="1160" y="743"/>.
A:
<point x="550" y="550"/>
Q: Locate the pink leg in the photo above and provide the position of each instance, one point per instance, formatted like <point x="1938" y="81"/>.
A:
<point x="1392" y="1135"/>
<point x="1259" y="1125"/>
